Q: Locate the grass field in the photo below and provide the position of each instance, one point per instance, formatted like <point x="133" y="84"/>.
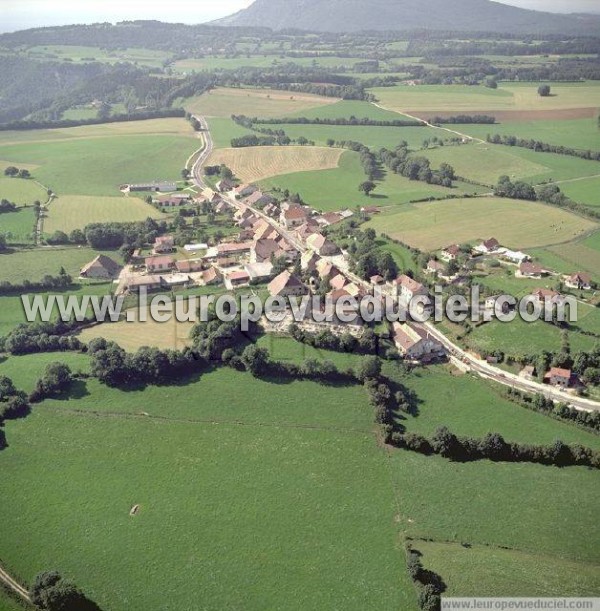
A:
<point x="521" y="338"/>
<point x="21" y="191"/>
<point x="18" y="226"/>
<point x="576" y="133"/>
<point x="262" y="497"/>
<point x="489" y="572"/>
<point x="571" y="257"/>
<point x="347" y="109"/>
<point x="401" y="254"/>
<point x="522" y="506"/>
<point x="76" y="211"/>
<point x="337" y="189"/>
<point x="287" y="349"/>
<point x="508" y="96"/>
<point x="87" y="166"/>
<point x="575" y="256"/>
<point x="487" y="162"/>
<point x="34" y="264"/>
<point x="223" y="130"/>
<point x="258" y="163"/>
<point x="583" y="191"/>
<point x="223" y="102"/>
<point x="371" y="136"/>
<point x="430" y="226"/>
<point x="469" y="406"/>
<point x="24" y="371"/>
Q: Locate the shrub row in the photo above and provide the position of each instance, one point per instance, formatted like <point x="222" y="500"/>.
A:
<point x="494" y="447"/>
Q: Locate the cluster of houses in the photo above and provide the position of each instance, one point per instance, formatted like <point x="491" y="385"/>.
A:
<point x="526" y="268"/>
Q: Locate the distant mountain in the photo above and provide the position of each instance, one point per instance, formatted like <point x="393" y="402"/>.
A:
<point x="448" y="15"/>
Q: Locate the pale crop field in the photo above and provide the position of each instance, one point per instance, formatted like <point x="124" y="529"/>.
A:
<point x="516" y="224"/>
<point x="131" y="336"/>
<point x="222" y="102"/>
<point x="257" y="163"/>
<point x="76" y="211"/>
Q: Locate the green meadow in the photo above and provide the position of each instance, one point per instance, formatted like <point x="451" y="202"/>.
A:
<point x="18" y="226"/>
<point x="479" y="570"/>
<point x="338" y="188"/>
<point x="35" y="264"/>
<point x="487" y="162"/>
<point x="371" y="136"/>
<point x="472" y="407"/>
<point x="575" y="133"/>
<point x="98" y="166"/>
<point x="21" y="191"/>
<point x="522" y="338"/>
<point x="231" y="472"/>
<point x="541" y="510"/>
<point x="585" y="191"/>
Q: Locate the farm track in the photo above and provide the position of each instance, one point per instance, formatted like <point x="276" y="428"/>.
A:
<point x="445" y="129"/>
<point x="14" y="585"/>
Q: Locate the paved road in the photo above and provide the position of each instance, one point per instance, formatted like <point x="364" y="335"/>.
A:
<point x="197" y="176"/>
<point x="485" y="370"/>
<point x="481" y="368"/>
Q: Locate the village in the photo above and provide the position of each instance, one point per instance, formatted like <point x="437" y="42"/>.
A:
<point x="283" y="249"/>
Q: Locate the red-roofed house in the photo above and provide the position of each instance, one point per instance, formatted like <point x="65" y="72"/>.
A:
<point x="294" y="216"/>
<point x="559" y="377"/>
<point x="527" y="269"/>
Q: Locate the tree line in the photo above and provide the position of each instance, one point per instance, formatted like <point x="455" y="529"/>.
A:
<point x="145" y="115"/>
<point x="464" y="120"/>
<point x="350" y="121"/>
<point x="60" y="282"/>
<point x="542" y="147"/>
<point x="494" y="447"/>
<point x="549" y="194"/>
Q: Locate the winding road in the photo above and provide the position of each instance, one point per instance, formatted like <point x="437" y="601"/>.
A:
<point x="461" y="357"/>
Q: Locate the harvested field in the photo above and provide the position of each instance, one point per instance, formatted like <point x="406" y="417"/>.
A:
<point x="257" y="163"/>
<point x="222" y="102"/>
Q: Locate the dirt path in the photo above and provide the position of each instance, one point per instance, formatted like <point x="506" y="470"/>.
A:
<point x="14" y="585"/>
<point x="445" y="129"/>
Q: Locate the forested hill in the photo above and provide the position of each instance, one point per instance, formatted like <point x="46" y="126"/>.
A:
<point x="455" y="15"/>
